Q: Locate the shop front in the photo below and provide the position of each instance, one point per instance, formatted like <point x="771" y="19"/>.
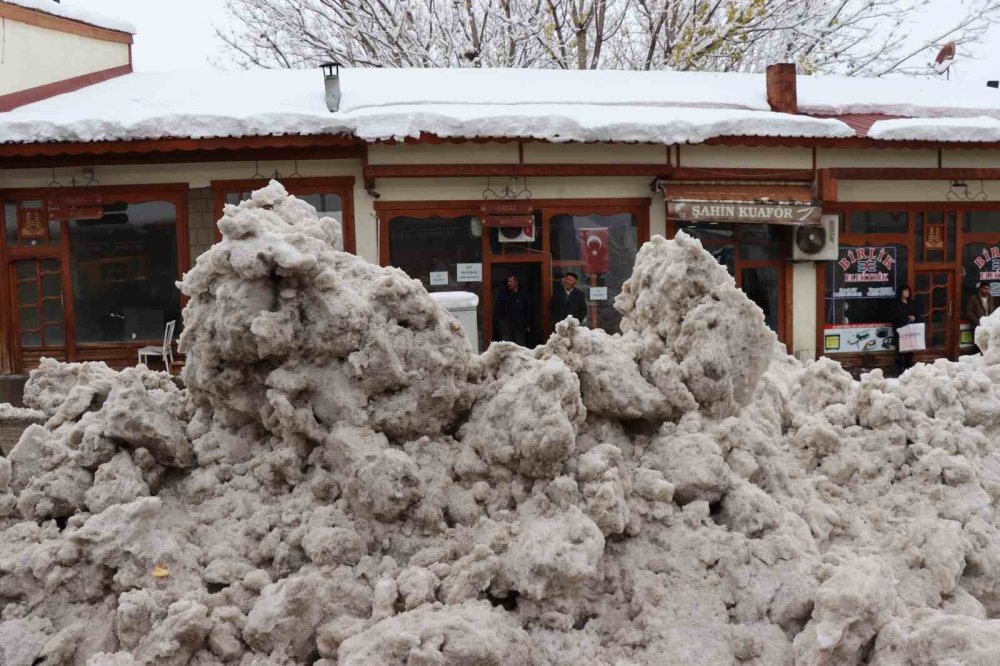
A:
<point x="749" y="229"/>
<point x="90" y="272"/>
<point x="942" y="251"/>
<point x="475" y="246"/>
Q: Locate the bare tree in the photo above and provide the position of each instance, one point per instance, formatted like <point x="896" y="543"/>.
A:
<point x="851" y="37"/>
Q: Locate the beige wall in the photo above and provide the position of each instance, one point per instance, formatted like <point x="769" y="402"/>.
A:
<point x="745" y="157"/>
<point x="908" y="190"/>
<point x="34" y="56"/>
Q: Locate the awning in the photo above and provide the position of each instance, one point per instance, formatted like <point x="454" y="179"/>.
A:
<point x="768" y="203"/>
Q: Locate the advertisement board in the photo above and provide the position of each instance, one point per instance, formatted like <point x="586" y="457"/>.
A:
<point x="865" y="272"/>
<point x="877" y="337"/>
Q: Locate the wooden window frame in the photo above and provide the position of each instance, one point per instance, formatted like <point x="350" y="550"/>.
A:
<point x="15" y="359"/>
<point x="915" y="264"/>
<point x="342" y="186"/>
<point x="549" y="208"/>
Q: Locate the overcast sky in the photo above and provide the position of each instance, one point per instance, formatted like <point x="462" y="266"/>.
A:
<point x="179" y="34"/>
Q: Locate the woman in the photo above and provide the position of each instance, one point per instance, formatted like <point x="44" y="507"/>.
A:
<point x="905" y="311"/>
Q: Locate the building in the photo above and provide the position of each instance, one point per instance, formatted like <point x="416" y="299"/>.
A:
<point x="111" y="182"/>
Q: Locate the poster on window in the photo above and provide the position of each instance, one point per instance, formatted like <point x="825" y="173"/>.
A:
<point x="858" y="338"/>
<point x="865" y="272"/>
<point x="986" y="267"/>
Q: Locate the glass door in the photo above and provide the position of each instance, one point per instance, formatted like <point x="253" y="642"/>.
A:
<point x="933" y="292"/>
<point x="39" y="318"/>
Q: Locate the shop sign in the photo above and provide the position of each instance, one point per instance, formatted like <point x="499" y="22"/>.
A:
<point x="987" y="264"/>
<point x="439" y="278"/>
<point x="935" y="237"/>
<point x="31" y="224"/>
<point x="469" y="273"/>
<point x="717" y="211"/>
<point x="865" y="272"/>
<point x="598" y="293"/>
<point x="86" y="206"/>
<point x="508" y="213"/>
<point x="858" y="338"/>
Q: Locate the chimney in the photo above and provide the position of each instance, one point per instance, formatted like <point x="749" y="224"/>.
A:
<point x="781" y="92"/>
<point x="331" y="76"/>
<point x="993" y="84"/>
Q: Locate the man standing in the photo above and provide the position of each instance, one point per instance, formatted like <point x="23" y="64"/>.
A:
<point x="512" y="313"/>
<point x="977" y="306"/>
<point x="568" y="301"/>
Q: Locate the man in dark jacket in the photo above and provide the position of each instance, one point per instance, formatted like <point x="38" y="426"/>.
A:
<point x="978" y="306"/>
<point x="568" y="301"/>
<point x="512" y="313"/>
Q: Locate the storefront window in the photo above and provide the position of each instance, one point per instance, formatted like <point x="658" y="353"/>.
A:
<point x="601" y="250"/>
<point x="935" y="237"/>
<point x="27" y="225"/>
<point x="124" y="268"/>
<point x="860" y="289"/>
<point x="981" y="221"/>
<point x="878" y="222"/>
<point x="434" y="249"/>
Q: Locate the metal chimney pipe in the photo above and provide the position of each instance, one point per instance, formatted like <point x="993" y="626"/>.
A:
<point x="331" y="77"/>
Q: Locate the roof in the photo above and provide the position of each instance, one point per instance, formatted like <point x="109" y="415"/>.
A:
<point x="71" y="9"/>
<point x="555" y="105"/>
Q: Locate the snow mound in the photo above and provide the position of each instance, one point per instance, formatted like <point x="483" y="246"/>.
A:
<point x="339" y="480"/>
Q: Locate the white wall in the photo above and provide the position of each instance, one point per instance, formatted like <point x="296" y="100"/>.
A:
<point x="34" y="56"/>
<point x="804" y="314"/>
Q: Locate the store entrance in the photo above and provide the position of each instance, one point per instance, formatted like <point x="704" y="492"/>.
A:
<point x="933" y="293"/>
<point x="517" y="316"/>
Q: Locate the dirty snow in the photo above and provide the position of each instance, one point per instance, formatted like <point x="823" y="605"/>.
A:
<point x="70" y="9"/>
<point x="341" y="481"/>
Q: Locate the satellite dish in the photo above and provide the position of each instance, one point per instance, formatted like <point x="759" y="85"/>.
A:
<point x="945" y="57"/>
<point x="810" y="239"/>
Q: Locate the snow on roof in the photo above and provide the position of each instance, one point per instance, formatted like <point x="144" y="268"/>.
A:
<point x="393" y="103"/>
<point x="556" y="105"/>
<point x="933" y="98"/>
<point x="938" y="129"/>
<point x="70" y="10"/>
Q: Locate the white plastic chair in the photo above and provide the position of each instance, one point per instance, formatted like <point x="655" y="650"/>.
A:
<point x="166" y="351"/>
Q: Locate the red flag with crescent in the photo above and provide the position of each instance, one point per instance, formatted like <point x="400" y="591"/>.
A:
<point x="594" y="246"/>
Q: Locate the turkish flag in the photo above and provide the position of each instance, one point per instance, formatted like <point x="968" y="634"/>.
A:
<point x="594" y="249"/>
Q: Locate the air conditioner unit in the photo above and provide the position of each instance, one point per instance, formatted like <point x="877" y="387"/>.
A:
<point x="817" y="242"/>
<point x="525" y="234"/>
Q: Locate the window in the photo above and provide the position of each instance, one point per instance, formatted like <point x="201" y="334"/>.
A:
<point x="330" y="196"/>
<point x="430" y="249"/>
<point x="878" y="222"/>
<point x="124" y="269"/>
<point x="981" y="221"/>
<point x="863" y="282"/>
<point x="601" y="250"/>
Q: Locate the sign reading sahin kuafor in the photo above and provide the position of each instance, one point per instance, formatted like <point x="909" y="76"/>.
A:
<point x="717" y="211"/>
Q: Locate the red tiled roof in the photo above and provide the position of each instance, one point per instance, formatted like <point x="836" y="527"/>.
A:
<point x="860" y="122"/>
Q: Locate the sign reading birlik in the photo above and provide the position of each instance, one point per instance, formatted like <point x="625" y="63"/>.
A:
<point x="718" y="211"/>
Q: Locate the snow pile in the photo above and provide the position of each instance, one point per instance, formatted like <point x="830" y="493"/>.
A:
<point x="341" y="481"/>
<point x="69" y="10"/>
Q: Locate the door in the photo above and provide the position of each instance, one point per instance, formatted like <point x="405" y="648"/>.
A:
<point x="764" y="285"/>
<point x="528" y="279"/>
<point x="933" y="291"/>
<point x="39" y="317"/>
